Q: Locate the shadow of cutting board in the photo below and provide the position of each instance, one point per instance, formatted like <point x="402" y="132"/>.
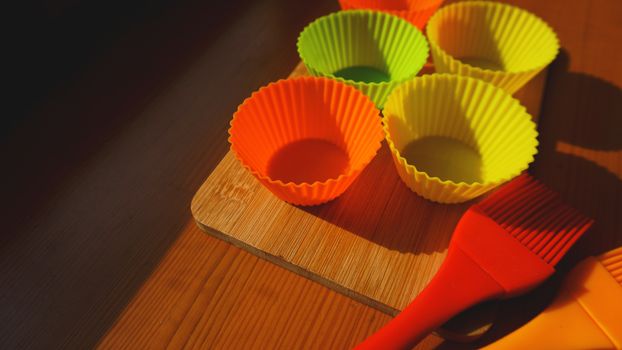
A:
<point x="379" y="243"/>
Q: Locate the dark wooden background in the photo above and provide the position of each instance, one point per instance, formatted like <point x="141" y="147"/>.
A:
<point x="117" y="113"/>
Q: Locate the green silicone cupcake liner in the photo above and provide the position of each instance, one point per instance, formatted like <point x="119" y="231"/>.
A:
<point x="372" y="51"/>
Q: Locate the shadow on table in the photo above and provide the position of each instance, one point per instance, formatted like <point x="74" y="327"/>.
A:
<point x="99" y="179"/>
<point x="580" y="156"/>
<point x="380" y="208"/>
<point x="581" y="151"/>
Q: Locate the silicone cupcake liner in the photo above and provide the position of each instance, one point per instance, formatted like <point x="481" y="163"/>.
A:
<point x="495" y="42"/>
<point x="416" y="12"/>
<point x="332" y="116"/>
<point x="462" y="136"/>
<point x="386" y="45"/>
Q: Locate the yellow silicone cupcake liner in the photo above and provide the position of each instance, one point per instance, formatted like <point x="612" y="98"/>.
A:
<point x="454" y="138"/>
<point x="306" y="139"/>
<point x="495" y="42"/>
<point x="372" y="51"/>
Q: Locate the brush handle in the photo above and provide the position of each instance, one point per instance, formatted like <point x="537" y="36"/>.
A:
<point x="458" y="284"/>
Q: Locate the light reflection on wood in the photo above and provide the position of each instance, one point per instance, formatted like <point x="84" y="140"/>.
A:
<point x="608" y="159"/>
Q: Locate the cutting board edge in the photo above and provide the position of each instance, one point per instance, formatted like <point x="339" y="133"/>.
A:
<point x="298" y="270"/>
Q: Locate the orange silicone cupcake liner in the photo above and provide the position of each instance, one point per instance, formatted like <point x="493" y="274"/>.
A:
<point x="417" y="12"/>
<point x="306" y="139"/>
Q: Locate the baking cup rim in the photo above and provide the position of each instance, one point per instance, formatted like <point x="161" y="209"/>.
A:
<point x="351" y="171"/>
<point x="395" y="151"/>
<point x="437" y="3"/>
<point x="361" y="83"/>
<point x="480" y="70"/>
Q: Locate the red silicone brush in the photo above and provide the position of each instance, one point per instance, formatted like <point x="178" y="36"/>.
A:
<point x="502" y="247"/>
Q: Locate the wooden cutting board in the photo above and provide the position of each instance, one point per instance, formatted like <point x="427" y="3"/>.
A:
<point x="379" y="243"/>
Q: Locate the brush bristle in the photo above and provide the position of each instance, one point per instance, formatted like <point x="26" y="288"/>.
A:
<point x="612" y="261"/>
<point x="537" y="217"/>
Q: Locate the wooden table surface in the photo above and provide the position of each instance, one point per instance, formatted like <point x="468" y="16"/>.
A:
<point x="99" y="247"/>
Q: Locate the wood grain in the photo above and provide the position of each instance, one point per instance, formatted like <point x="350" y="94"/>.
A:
<point x="570" y="97"/>
<point x="98" y="243"/>
<point x="226" y="299"/>
<point x="379" y="243"/>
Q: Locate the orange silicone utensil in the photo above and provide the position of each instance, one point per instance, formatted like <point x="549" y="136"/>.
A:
<point x="306" y="139"/>
<point x="417" y="12"/>
<point x="501" y="247"/>
<point x="586" y="314"/>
